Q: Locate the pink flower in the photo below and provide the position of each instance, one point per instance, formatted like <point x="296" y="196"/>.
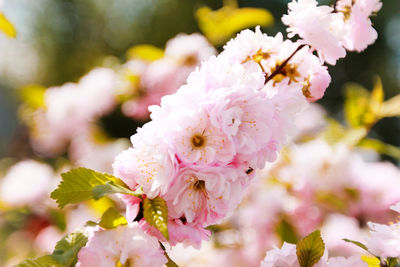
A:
<point x="358" y="26"/>
<point x="27" y="182"/>
<point x="284" y="257"/>
<point x="196" y="140"/>
<point x="180" y="232"/>
<point x="123" y="245"/>
<point x="71" y="108"/>
<point x="318" y="27"/>
<point x="204" y="194"/>
<point x="151" y="167"/>
<point x="384" y="240"/>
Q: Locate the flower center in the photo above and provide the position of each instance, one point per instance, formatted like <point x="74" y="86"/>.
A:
<point x="190" y="60"/>
<point x="198" y="141"/>
<point x="199" y="185"/>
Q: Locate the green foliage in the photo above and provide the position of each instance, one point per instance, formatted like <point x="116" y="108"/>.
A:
<point x="155" y="212"/>
<point x="219" y="25"/>
<point x="111" y="219"/>
<point x="362" y="108"/>
<point x="58" y="219"/>
<point x="45" y="261"/>
<point x="286" y="231"/>
<point x="310" y="249"/>
<point x="66" y="250"/>
<point x="6" y="26"/>
<point x="82" y="184"/>
<point x="64" y="254"/>
<point x="111" y="188"/>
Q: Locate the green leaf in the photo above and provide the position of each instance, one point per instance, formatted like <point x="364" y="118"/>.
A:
<point x="310" y="249"/>
<point x="219" y="25"/>
<point x="58" y="218"/>
<point x="66" y="250"/>
<point x="380" y="147"/>
<point x="111" y="219"/>
<point x="359" y="244"/>
<point x="392" y="262"/>
<point x="287" y="232"/>
<point x="45" y="261"/>
<point x="77" y="185"/>
<point x="356" y="104"/>
<point x="6" y="26"/>
<point x="112" y="188"/>
<point x="155" y="212"/>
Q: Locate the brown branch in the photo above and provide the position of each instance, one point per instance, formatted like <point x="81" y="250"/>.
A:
<point x="281" y="66"/>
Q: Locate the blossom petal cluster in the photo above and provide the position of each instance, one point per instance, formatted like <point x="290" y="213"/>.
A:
<point x="70" y="108"/>
<point x="331" y="31"/>
<point x="165" y="75"/>
<point x="122" y="246"/>
<point x="204" y="143"/>
<point x="384" y="240"/>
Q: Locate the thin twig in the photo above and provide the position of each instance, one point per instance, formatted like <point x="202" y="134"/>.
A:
<point x="281" y="66"/>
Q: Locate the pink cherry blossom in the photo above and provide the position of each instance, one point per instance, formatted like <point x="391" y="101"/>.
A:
<point x="204" y="194"/>
<point x="318" y="27"/>
<point x="358" y="26"/>
<point x="27" y="182"/>
<point x="384" y="240"/>
<point x="124" y="245"/>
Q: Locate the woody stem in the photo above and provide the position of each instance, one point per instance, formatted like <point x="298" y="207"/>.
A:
<point x="281" y="66"/>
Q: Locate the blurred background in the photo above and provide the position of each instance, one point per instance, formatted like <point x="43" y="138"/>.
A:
<point x="60" y="40"/>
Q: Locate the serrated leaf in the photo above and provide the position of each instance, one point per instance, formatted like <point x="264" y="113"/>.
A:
<point x="310" y="249"/>
<point x="111" y="188"/>
<point x="77" y="185"/>
<point x="66" y="250"/>
<point x="219" y="25"/>
<point x="45" y="261"/>
<point x="111" y="219"/>
<point x="6" y="26"/>
<point x="155" y="212"/>
<point x="380" y="147"/>
<point x="145" y="52"/>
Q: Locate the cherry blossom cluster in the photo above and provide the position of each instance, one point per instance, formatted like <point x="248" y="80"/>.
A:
<point x="154" y="79"/>
<point x="203" y="144"/>
<point x="332" y="30"/>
